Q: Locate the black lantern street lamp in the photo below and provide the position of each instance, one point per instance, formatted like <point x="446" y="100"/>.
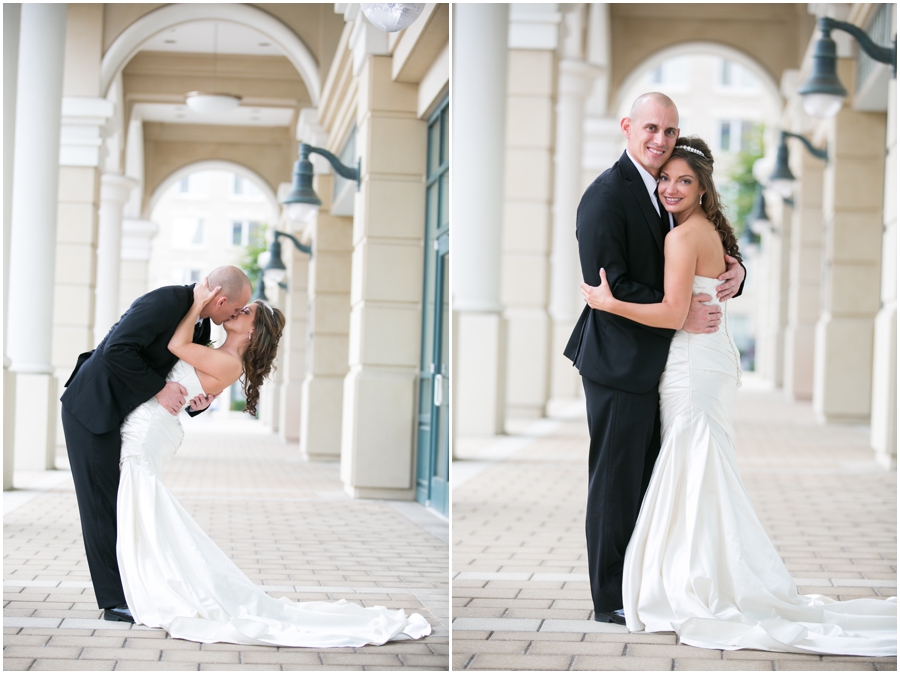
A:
<point x="275" y="269"/>
<point x="260" y="292"/>
<point x="782" y="180"/>
<point x="302" y="202"/>
<point x="823" y="93"/>
<point x="758" y="219"/>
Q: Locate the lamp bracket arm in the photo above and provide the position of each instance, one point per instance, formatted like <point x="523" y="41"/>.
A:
<point x="303" y="248"/>
<point x="343" y="170"/>
<point x="813" y="150"/>
<point x="877" y="52"/>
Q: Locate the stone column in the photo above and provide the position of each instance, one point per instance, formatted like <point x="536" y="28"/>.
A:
<point x="328" y="331"/>
<point x="775" y="245"/>
<point x="379" y="398"/>
<point x="884" y="377"/>
<point x="114" y="192"/>
<point x="527" y="209"/>
<point x="566" y="303"/>
<point x="137" y="239"/>
<point x="851" y="289"/>
<point x="804" y="277"/>
<point x="33" y="236"/>
<point x="296" y="309"/>
<point x="12" y="14"/>
<point x="478" y="111"/>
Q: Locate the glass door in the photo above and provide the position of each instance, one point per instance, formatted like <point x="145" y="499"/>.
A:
<point x="433" y="437"/>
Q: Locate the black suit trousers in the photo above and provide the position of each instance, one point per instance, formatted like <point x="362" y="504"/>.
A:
<point x="94" y="459"/>
<point x="624" y="431"/>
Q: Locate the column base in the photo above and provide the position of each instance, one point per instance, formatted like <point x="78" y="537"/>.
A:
<point x="290" y="404"/>
<point x="884" y="387"/>
<point x="381" y="494"/>
<point x="320" y="418"/>
<point x="479" y="356"/>
<point x="527" y="366"/>
<point x="565" y="382"/>
<point x="37" y="411"/>
<point x="843" y="369"/>
<point x="9" y="427"/>
<point x="378" y="430"/>
<point x="799" y="361"/>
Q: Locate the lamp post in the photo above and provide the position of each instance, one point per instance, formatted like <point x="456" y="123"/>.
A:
<point x="274" y="269"/>
<point x="302" y="202"/>
<point x="823" y="94"/>
<point x="758" y="220"/>
<point x="782" y="180"/>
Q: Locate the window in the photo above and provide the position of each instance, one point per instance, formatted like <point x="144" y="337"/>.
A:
<point x="188" y="232"/>
<point x="735" y="76"/>
<point x="244" y="232"/>
<point x="184" y="185"/>
<point x="735" y="135"/>
<point x="185" y="275"/>
<point x="672" y="73"/>
<point x="240" y="186"/>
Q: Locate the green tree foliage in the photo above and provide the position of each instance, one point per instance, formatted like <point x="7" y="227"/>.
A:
<point x="743" y="184"/>
<point x="255" y="246"/>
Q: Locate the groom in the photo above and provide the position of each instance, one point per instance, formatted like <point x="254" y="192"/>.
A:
<point x="125" y="370"/>
<point x="621" y="226"/>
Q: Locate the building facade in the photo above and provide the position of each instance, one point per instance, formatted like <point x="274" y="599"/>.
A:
<point x="108" y="132"/>
<point x="553" y="80"/>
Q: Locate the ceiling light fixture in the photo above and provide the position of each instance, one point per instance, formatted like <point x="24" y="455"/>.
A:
<point x="392" y="16"/>
<point x="212" y="103"/>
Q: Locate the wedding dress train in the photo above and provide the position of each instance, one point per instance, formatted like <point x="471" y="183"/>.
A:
<point x="699" y="561"/>
<point x="175" y="577"/>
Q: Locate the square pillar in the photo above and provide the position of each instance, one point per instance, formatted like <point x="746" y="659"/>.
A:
<point x="851" y="290"/>
<point x="379" y="397"/>
<point x="328" y="334"/>
<point x="293" y="366"/>
<point x="804" y="279"/>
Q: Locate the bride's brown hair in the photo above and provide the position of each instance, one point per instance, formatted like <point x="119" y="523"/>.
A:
<point x="702" y="166"/>
<point x="259" y="356"/>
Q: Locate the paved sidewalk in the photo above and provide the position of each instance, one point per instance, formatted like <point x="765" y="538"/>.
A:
<point x="286" y="523"/>
<point x="521" y="593"/>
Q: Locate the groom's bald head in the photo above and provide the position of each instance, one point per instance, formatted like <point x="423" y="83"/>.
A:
<point x="233" y="296"/>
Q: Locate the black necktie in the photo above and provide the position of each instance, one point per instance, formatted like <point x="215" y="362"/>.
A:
<point x="198" y="328"/>
<point x="663" y="217"/>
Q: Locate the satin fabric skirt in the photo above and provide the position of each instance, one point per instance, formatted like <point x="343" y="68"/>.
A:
<point x="700" y="562"/>
<point x="175" y="577"/>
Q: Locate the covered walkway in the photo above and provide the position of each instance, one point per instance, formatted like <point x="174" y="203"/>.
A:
<point x="287" y="523"/>
<point x="521" y="595"/>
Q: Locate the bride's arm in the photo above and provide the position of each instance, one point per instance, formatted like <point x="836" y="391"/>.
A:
<point x="681" y="262"/>
<point x="221" y="367"/>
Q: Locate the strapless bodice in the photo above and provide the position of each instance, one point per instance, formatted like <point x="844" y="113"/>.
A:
<point x="151" y="433"/>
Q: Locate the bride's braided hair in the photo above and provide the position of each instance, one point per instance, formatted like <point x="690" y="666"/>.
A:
<point x="259" y="356"/>
<point x="700" y="159"/>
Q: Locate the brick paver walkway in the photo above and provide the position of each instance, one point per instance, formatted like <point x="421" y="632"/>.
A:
<point x="286" y="523"/>
<point x="520" y="592"/>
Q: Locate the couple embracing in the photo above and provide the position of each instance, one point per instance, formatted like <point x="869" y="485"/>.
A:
<point x="150" y="562"/>
<point x="673" y="541"/>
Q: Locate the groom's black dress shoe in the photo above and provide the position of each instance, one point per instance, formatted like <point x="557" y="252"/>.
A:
<point x="119" y="613"/>
<point x="617" y="616"/>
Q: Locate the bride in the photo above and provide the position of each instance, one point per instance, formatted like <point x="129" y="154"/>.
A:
<point x="699" y="561"/>
<point x="173" y="575"/>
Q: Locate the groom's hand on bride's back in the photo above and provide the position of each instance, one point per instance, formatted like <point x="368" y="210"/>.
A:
<point x="172" y="397"/>
<point x="702" y="319"/>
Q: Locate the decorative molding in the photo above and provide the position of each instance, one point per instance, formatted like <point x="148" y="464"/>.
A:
<point x="366" y="40"/>
<point x="534" y="26"/>
<point x="81" y="130"/>
<point x="136" y="239"/>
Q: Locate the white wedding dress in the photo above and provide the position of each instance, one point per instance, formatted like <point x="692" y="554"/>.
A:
<point x="176" y="578"/>
<point x="699" y="561"/>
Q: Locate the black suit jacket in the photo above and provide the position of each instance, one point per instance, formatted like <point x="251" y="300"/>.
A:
<point x="131" y="363"/>
<point x="619" y="229"/>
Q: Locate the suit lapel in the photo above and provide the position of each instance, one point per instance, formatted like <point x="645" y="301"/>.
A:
<point x="637" y="187"/>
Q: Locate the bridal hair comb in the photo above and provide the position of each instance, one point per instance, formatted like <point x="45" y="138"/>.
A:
<point x="690" y="149"/>
<point x="271" y="310"/>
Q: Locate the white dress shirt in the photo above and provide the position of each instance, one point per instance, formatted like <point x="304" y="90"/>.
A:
<point x="650" y="183"/>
